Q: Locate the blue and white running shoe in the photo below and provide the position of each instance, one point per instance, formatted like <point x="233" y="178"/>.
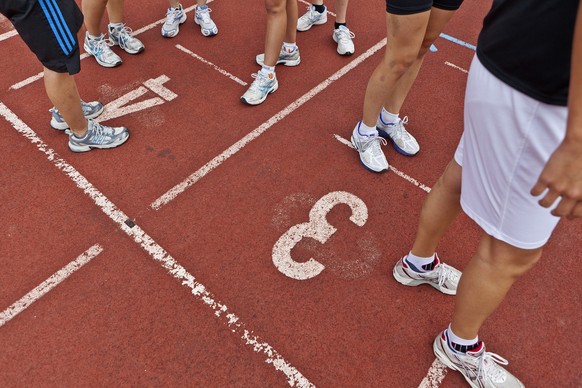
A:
<point x="203" y="19"/>
<point x="100" y="49"/>
<point x="402" y="141"/>
<point x="174" y="17"/>
<point x="262" y="86"/>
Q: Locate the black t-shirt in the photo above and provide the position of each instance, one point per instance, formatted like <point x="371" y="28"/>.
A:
<point x="528" y="45"/>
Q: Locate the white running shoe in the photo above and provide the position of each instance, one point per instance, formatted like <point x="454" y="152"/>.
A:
<point x="174" y="17"/>
<point x="287" y="58"/>
<point x="261" y="87"/>
<point x="90" y="109"/>
<point x="311" y="18"/>
<point x="122" y="37"/>
<point x="203" y="19"/>
<point x="369" y="148"/>
<point x="401" y="139"/>
<point x="97" y="136"/>
<point x="100" y="49"/>
<point x="481" y="369"/>
<point x="443" y="277"/>
<point x="344" y="39"/>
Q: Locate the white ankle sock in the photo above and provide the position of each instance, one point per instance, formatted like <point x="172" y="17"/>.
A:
<point x="364" y="130"/>
<point x="289" y="47"/>
<point x="389" y="118"/>
<point x="418" y="262"/>
<point x="460" y="341"/>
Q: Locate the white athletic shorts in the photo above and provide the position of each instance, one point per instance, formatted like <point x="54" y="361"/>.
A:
<point x="507" y="141"/>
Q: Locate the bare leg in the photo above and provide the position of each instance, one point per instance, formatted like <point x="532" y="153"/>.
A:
<point x="405" y="35"/>
<point x="61" y="89"/>
<point x="485" y="282"/>
<point x="175" y="3"/>
<point x="292" y="16"/>
<point x="93" y="11"/>
<point x="437" y="22"/>
<point x="201" y="2"/>
<point x="276" y="29"/>
<point x="438" y="211"/>
<point x="341" y="8"/>
<point x="115" y="10"/>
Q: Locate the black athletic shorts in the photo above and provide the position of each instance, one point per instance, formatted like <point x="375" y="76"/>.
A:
<point x="49" y="28"/>
<point x="409" y="7"/>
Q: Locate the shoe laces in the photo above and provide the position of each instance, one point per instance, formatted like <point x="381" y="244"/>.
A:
<point x="445" y="273"/>
<point x="489" y="369"/>
<point x="399" y="130"/>
<point x="204" y="14"/>
<point x="98" y="129"/>
<point x="373" y="142"/>
<point x="123" y="32"/>
<point x="260" y="81"/>
<point x="312" y="13"/>
<point x="171" y="15"/>
<point x="102" y="44"/>
<point x="344" y="36"/>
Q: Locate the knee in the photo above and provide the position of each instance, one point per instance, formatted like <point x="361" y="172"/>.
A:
<point x="274" y="7"/>
<point x="450" y="181"/>
<point x="512" y="262"/>
<point x="425" y="46"/>
<point x="398" y="65"/>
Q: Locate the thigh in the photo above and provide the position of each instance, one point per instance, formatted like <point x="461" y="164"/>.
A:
<point x="408" y="7"/>
<point x="50" y="31"/>
<point x="447" y="5"/>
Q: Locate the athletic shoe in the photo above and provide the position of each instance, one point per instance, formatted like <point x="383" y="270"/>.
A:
<point x="402" y="141"/>
<point x="311" y="18"/>
<point x="369" y="148"/>
<point x="91" y="110"/>
<point x="174" y="17"/>
<point x="202" y="18"/>
<point x="481" y="369"/>
<point x="261" y="87"/>
<point x="343" y="37"/>
<point x="443" y="277"/>
<point x="121" y="36"/>
<point x="286" y="57"/>
<point x="100" y="49"/>
<point x="98" y="136"/>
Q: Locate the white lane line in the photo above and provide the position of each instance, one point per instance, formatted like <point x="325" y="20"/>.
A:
<point x="53" y="281"/>
<point x="236" y="147"/>
<point x="309" y="4"/>
<point x="456" y="67"/>
<point x="159" y="254"/>
<point x="392" y="168"/>
<point x="38" y="76"/>
<point x="436" y="374"/>
<point x="219" y="69"/>
<point x="8" y="34"/>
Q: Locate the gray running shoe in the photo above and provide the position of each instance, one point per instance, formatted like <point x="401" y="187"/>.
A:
<point x="91" y="110"/>
<point x="203" y="19"/>
<point x="174" y="17"/>
<point x="122" y="37"/>
<point x="101" y="50"/>
<point x="370" y="149"/>
<point x="344" y="39"/>
<point x="98" y="136"/>
<point x="401" y="139"/>
<point x="481" y="369"/>
<point x="285" y="57"/>
<point x="443" y="277"/>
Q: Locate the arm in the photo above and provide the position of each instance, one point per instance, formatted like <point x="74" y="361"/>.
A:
<point x="562" y="175"/>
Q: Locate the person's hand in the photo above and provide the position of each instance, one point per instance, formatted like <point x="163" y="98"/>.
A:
<point x="562" y="177"/>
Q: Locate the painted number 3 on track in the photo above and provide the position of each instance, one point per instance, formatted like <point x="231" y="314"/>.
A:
<point x="317" y="228"/>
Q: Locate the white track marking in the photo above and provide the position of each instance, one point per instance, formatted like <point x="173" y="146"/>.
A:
<point x="8" y="34"/>
<point x="38" y="76"/>
<point x="392" y="168"/>
<point x="219" y="69"/>
<point x="434" y="377"/>
<point x="236" y="147"/>
<point x="309" y="4"/>
<point x="456" y="67"/>
<point x="198" y="290"/>
<point x="53" y="281"/>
